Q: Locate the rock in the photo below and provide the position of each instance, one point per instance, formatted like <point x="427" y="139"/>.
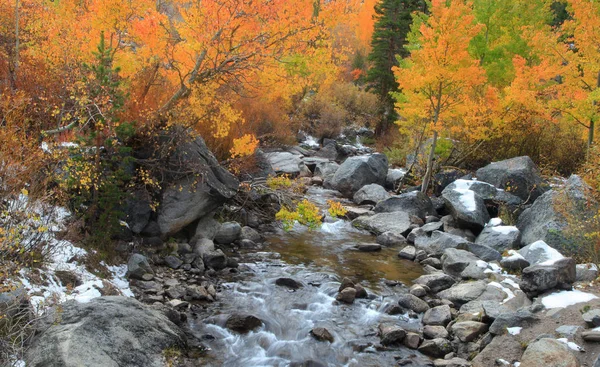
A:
<point x="453" y="362"/>
<point x="311" y="162"/>
<point x="248" y="233"/>
<point x="536" y="279"/>
<point x="328" y="151"/>
<point x="438" y="242"/>
<point x="414" y="203"/>
<point x="408" y="252"/>
<point x="418" y="291"/>
<point x="391" y="334"/>
<point x="207" y="227"/>
<point x="228" y="232"/>
<point x="215" y="260"/>
<point x="455" y="261"/>
<point x="322" y="334"/>
<point x="482" y="251"/>
<point x="505" y="347"/>
<point x="361" y="292"/>
<point x="285" y="162"/>
<point x="500" y="238"/>
<point x="289" y="283"/>
<point x="307" y="363"/>
<point x="433" y="226"/>
<point x="586" y="272"/>
<point x="393" y="178"/>
<point x="437" y="316"/>
<point x="107" y="331"/>
<point x="243" y="323"/>
<point x="347" y="295"/>
<point x="539" y="252"/>
<point x="202" y="246"/>
<point x="390" y="239"/>
<point x="432" y="261"/>
<point x="548" y="352"/>
<point x="370" y="194"/>
<point x="138" y="211"/>
<point x="463" y="292"/>
<point x="326" y="170"/>
<point x="414" y="303"/>
<point x="436" y="282"/>
<point x="434" y="332"/>
<point x="346" y="283"/>
<point x="173" y="262"/>
<point x="519" y="176"/>
<point x="568" y="331"/>
<point x="591" y="316"/>
<point x="412" y="340"/>
<point x="368" y="247"/>
<point x="198" y="293"/>
<point x="138" y="266"/>
<point x="591" y="336"/>
<point x="436" y="348"/>
<point x="467" y="207"/>
<point x="514" y="262"/>
<point x="397" y="223"/>
<point x="359" y="171"/>
<point x="444" y="177"/>
<point x="522" y="318"/>
<point x="190" y="198"/>
<point x="468" y="331"/>
<point x="542" y="221"/>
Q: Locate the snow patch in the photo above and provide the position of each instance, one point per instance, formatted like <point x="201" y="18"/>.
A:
<point x="494" y="222"/>
<point x="509" y="293"/>
<point x="514" y="330"/>
<point x="505" y="230"/>
<point x="566" y="298"/>
<point x="467" y="199"/>
<point x="571" y="345"/>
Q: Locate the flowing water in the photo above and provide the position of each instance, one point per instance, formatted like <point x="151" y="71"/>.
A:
<point x="317" y="259"/>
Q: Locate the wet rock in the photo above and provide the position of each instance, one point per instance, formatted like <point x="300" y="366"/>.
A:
<point x="173" y="262"/>
<point x="308" y="363"/>
<point x="413" y="203"/>
<point x="359" y="171"/>
<point x="346" y="282"/>
<point x="289" y="283"/>
<point x="321" y="334"/>
<point x="368" y="247"/>
<point x="468" y="331"/>
<point x="198" y="293"/>
<point x="482" y="251"/>
<point x="248" y="233"/>
<point x="536" y="279"/>
<point x="500" y="238"/>
<point x="370" y="194"/>
<point x="464" y="292"/>
<point x="397" y="223"/>
<point x="391" y="334"/>
<point x="436" y="348"/>
<point x="466" y="206"/>
<point x="436" y="282"/>
<point x="453" y="362"/>
<point x="519" y="176"/>
<point x="418" y="290"/>
<point x="438" y="316"/>
<point x="412" y="340"/>
<point x="390" y="239"/>
<point x="408" y="252"/>
<point x="414" y="303"/>
<point x="586" y="272"/>
<point x="548" y="352"/>
<point x="361" y="292"/>
<point x="326" y="170"/>
<point x="434" y="332"/>
<point x="138" y="266"/>
<point x="228" y="232"/>
<point x="243" y="323"/>
<point x="420" y="255"/>
<point x="347" y="295"/>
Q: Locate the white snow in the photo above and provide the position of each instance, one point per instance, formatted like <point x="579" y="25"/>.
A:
<point x="505" y="230"/>
<point x="467" y="199"/>
<point x="566" y="298"/>
<point x="571" y="345"/>
<point x="493" y="268"/>
<point x="482" y="264"/>
<point x="509" y="293"/>
<point x="552" y="255"/>
<point x="512" y="283"/>
<point x="514" y="330"/>
<point x="494" y="222"/>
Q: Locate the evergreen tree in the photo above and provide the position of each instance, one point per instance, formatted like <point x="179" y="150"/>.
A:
<point x="392" y="24"/>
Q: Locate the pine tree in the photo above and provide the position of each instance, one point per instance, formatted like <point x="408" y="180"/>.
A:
<point x="392" y="24"/>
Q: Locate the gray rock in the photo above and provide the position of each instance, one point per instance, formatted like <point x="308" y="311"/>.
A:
<point x="107" y="331"/>
<point x="173" y="262"/>
<point x="390" y="239"/>
<point x="289" y="283"/>
<point x="505" y="347"/>
<point x="463" y="292"/>
<point x="586" y="272"/>
<point x="347" y="295"/>
<point x="191" y="198"/>
<point x="138" y="266"/>
<point x="228" y="232"/>
<point x="198" y="293"/>
<point x="411" y="302"/>
<point x="202" y="246"/>
<point x="434" y="332"/>
<point x="591" y="316"/>
<point x="361" y="292"/>
<point x="412" y="340"/>
<point x="514" y="262"/>
<point x="468" y="331"/>
<point x="326" y="170"/>
<point x="207" y="227"/>
<point x="394" y="177"/>
<point x="432" y="261"/>
<point x="537" y="279"/>
<point x="370" y="194"/>
<point x="522" y="318"/>
<point x="243" y="323"/>
<point x="568" y="331"/>
<point x="482" y="251"/>
<point x="467" y="207"/>
<point x="414" y="203"/>
<point x="322" y="334"/>
<point x="215" y="260"/>
<point x="438" y="242"/>
<point x="359" y="171"/>
<point x="397" y="223"/>
<point x="544" y="351"/>
<point x="408" y="252"/>
<point x="284" y="162"/>
<point x="138" y="211"/>
<point x="432" y="226"/>
<point x="436" y="282"/>
<point x="455" y="261"/>
<point x="519" y="176"/>
<point x="438" y="316"/>
<point x="436" y="348"/>
<point x="328" y="151"/>
<point x="418" y="290"/>
<point x="249" y="233"/>
<point x="500" y="238"/>
<point x="391" y="334"/>
<point x="346" y="283"/>
<point x="539" y="252"/>
<point x="368" y="247"/>
<point x="453" y="362"/>
<point x="591" y="336"/>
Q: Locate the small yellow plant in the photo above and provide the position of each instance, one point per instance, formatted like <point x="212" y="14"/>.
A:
<point x="306" y="213"/>
<point x="279" y="182"/>
<point x="336" y="209"/>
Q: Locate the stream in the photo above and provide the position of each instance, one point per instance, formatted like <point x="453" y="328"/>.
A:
<point x="318" y="259"/>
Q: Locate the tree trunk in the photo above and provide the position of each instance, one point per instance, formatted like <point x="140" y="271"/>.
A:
<point x="429" y="172"/>
<point x="15" y="67"/>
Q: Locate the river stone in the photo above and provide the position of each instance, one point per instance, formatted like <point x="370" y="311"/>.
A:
<point x="411" y="302"/>
<point x="466" y="207"/>
<point x="390" y="239"/>
<point x="359" y="171"/>
<point x="391" y="334"/>
<point x="215" y="259"/>
<point x="548" y="352"/>
<point x="138" y="266"/>
<point x="397" y="223"/>
<point x="228" y="232"/>
<point x="500" y="238"/>
<point x="436" y="348"/>
<point x="537" y="279"/>
<point x="519" y="176"/>
<point x="436" y="282"/>
<point x="361" y="292"/>
<point x="347" y="295"/>
<point x="540" y="252"/>
<point x="345" y="283"/>
<point x="412" y="340"/>
<point x="432" y="261"/>
<point x="418" y="290"/>
<point x="408" y="252"/>
<point x="438" y="316"/>
<point x="452" y="362"/>
<point x="107" y="331"/>
<point x="370" y="194"/>
<point x="173" y="262"/>
<point x="243" y="323"/>
<point x="207" y="227"/>
<point x="433" y="226"/>
<point x="586" y="272"/>
<point x="289" y="283"/>
<point x="463" y="292"/>
<point x="249" y="233"/>
<point x="414" y="203"/>
<point x="438" y="242"/>
<point x="434" y="332"/>
<point x="505" y="347"/>
<point x="468" y="331"/>
<point x="368" y="247"/>
<point x="191" y="198"/>
<point x="322" y="334"/>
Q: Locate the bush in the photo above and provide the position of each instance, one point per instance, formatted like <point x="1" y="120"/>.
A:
<point x="17" y="329"/>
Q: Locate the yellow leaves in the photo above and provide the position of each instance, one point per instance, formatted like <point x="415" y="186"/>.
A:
<point x="279" y="182"/>
<point x="244" y="146"/>
<point x="306" y="213"/>
<point x="336" y="209"/>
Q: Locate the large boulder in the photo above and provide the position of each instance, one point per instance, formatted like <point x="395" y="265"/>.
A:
<point x="548" y="352"/>
<point x="463" y="292"/>
<point x="108" y="331"/>
<point x="195" y="195"/>
<point x="519" y="176"/>
<point x="559" y="274"/>
<point x="138" y="266"/>
<point x="228" y="232"/>
<point x="466" y="206"/>
<point x="455" y="262"/>
<point x="500" y="238"/>
<point x="359" y="171"/>
<point x="394" y="176"/>
<point x="540" y="253"/>
<point x="397" y="223"/>
<point x="544" y="220"/>
<point x="414" y="203"/>
<point x="326" y="170"/>
<point x="285" y="162"/>
<point x="438" y="242"/>
<point x="370" y="194"/>
<point x="138" y="211"/>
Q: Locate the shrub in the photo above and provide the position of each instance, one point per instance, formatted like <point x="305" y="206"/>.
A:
<point x="17" y="329"/>
<point x="336" y="209"/>
<point x="306" y="213"/>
